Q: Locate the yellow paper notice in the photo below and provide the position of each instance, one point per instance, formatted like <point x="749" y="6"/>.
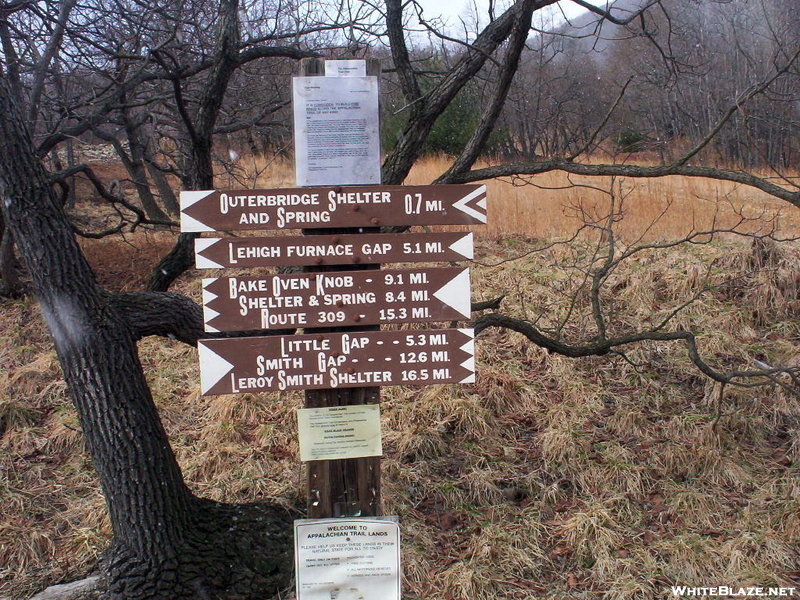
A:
<point x="339" y="432"/>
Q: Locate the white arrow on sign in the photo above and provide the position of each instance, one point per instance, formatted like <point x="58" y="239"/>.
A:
<point x="201" y="262"/>
<point x="212" y="367"/>
<point x="209" y="313"/>
<point x="462" y="204"/>
<point x="188" y="224"/>
<point x="469" y="347"/>
<point x="463" y="246"/>
<point x="455" y="293"/>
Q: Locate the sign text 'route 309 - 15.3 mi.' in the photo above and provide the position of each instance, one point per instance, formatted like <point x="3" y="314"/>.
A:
<point x="338" y="206"/>
<point x="335" y="299"/>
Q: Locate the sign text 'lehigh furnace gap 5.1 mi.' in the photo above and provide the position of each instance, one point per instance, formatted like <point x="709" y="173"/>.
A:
<point x="363" y="248"/>
<point x="334" y="360"/>
<point x="339" y="206"/>
<point x="336" y="299"/>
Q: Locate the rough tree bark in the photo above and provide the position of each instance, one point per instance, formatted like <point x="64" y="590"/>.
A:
<point x="11" y="285"/>
<point x="167" y="542"/>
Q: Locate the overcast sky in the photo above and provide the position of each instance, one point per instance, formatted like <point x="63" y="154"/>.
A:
<point x="452" y="10"/>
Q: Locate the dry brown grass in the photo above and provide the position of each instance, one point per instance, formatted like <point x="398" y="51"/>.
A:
<point x="547" y="478"/>
<point x="549" y="205"/>
<point x="552" y="205"/>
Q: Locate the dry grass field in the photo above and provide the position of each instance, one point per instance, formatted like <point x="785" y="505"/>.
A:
<point x="554" y="205"/>
<point x="549" y="478"/>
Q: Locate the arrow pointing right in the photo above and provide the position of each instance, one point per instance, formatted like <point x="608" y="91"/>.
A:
<point x="212" y="368"/>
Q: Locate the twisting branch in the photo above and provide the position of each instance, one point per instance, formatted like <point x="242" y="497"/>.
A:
<point x="174" y="76"/>
<point x="637" y="171"/>
<point x="608" y="16"/>
<point x="737" y="105"/>
<point x="588" y="298"/>
<point x="788" y="192"/>
<point x="116" y="200"/>
<point x="493" y="304"/>
<point x="477" y="141"/>
<point x="602" y="347"/>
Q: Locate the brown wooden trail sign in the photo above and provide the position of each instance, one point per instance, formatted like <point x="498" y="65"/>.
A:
<point x="336" y="299"/>
<point x="333" y="360"/>
<point x="337" y="206"/>
<point x="366" y="248"/>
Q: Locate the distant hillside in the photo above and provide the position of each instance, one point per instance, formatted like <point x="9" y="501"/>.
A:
<point x="596" y="35"/>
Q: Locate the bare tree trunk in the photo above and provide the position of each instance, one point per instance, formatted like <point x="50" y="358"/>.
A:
<point x="135" y="166"/>
<point x="425" y="110"/>
<point x="167" y="543"/>
<point x="10" y="282"/>
<point x="201" y="130"/>
<point x="168" y="198"/>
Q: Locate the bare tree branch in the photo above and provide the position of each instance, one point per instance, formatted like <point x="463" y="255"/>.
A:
<point x="477" y="142"/>
<point x="636" y="171"/>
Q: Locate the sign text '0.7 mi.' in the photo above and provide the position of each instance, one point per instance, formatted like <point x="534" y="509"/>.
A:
<point x="339" y="206"/>
<point x="334" y="360"/>
<point x="336" y="299"/>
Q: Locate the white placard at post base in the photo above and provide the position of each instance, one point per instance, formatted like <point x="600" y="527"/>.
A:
<point x="347" y="559"/>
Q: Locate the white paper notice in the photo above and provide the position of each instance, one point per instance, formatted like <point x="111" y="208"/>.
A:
<point x="338" y="432"/>
<point x="336" y="130"/>
<point x="346" y="68"/>
<point x="347" y="559"/>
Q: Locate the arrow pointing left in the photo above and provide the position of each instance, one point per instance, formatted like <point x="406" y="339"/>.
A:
<point x="336" y="298"/>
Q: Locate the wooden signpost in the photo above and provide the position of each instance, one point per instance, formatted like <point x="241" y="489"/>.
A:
<point x="339" y="301"/>
<point x="352" y="486"/>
